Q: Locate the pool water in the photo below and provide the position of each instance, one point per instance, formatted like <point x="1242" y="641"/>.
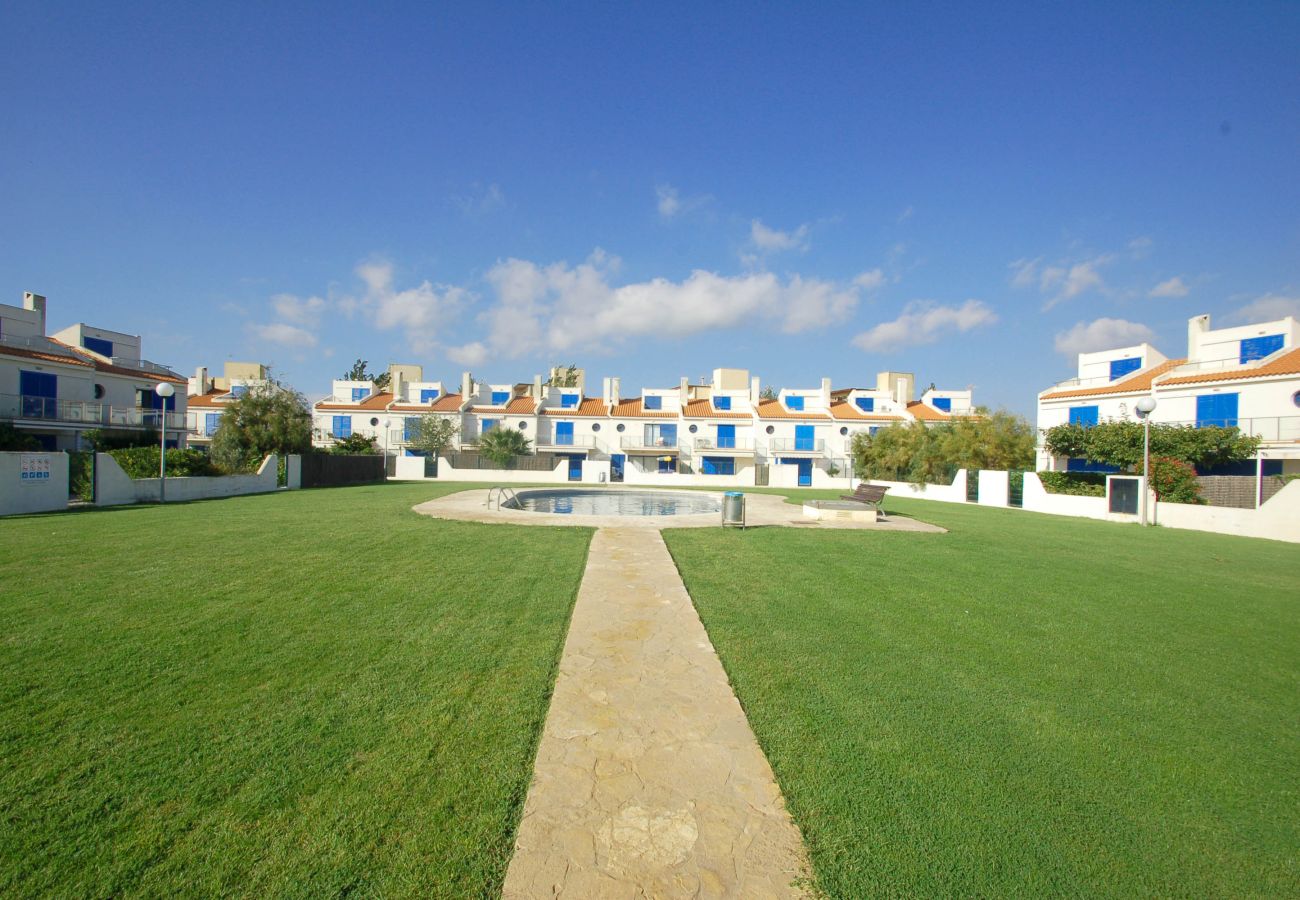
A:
<point x="616" y="503"/>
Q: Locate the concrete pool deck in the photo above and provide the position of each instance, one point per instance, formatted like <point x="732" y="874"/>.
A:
<point x="761" y="510"/>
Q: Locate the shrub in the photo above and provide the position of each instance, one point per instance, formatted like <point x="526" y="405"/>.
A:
<point x="104" y="440"/>
<point x="13" y="439"/>
<point x="142" y="462"/>
<point x="1078" y="484"/>
<point x="355" y="444"/>
<point x="1174" y="481"/>
<point x="81" y="475"/>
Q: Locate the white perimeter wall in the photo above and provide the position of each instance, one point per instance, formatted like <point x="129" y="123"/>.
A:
<point x="32" y="495"/>
<point x="948" y="493"/>
<point x="1278" y="519"/>
<point x="113" y="487"/>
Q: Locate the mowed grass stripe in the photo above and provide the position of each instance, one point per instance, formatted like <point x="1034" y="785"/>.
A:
<point x="303" y="694"/>
<point x="1026" y="705"/>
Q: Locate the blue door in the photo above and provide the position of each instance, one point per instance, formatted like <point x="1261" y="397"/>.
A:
<point x="805" y="473"/>
<point x="564" y="434"/>
<point x="575" y="468"/>
<point x="616" y="461"/>
<point x="726" y="436"/>
<point x="803" y="439"/>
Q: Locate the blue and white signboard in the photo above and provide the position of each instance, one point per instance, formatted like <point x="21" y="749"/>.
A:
<point x="34" y="469"/>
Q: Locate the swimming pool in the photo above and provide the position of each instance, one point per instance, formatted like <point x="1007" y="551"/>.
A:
<point x="572" y="501"/>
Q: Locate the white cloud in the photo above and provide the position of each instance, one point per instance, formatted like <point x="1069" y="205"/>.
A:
<point x="1267" y="308"/>
<point x="298" y="311"/>
<point x="284" y="334"/>
<point x="923" y="322"/>
<point x="1101" y="334"/>
<point x="1140" y="247"/>
<point x="472" y="354"/>
<point x="1173" y="287"/>
<point x="421" y="312"/>
<point x="772" y="240"/>
<point x="905" y="215"/>
<point x="871" y="281"/>
<point x="480" y="200"/>
<point x="669" y="202"/>
<point x="1060" y="281"/>
<point x="561" y="308"/>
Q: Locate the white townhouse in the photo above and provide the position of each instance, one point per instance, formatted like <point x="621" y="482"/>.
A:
<point x="1247" y="376"/>
<point x="721" y="431"/>
<point x="57" y="387"/>
<point x="208" y="397"/>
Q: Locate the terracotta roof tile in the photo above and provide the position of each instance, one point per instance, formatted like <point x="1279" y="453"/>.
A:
<point x="447" y="403"/>
<point x="208" y="400"/>
<point x="633" y="409"/>
<point x="926" y="413"/>
<point x="704" y="409"/>
<point x="109" y="368"/>
<point x="849" y="412"/>
<point x="773" y="409"/>
<point x="1286" y="364"/>
<point x="522" y="406"/>
<point x="378" y="401"/>
<point x="1139" y="383"/>
<point x="27" y="353"/>
<point x="590" y="406"/>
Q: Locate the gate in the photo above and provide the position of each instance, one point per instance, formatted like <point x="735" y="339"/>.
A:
<point x="1016" y="489"/>
<point x="760" y="475"/>
<point x="972" y="485"/>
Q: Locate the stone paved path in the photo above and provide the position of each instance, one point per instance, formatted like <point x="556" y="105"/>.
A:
<point x="648" y="782"/>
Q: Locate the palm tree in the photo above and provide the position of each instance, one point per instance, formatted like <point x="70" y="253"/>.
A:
<point x="503" y="444"/>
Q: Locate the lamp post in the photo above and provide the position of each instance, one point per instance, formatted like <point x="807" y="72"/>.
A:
<point x="165" y="391"/>
<point x="1144" y="408"/>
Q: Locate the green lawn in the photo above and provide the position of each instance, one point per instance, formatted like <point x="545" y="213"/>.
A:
<point x="1026" y="706"/>
<point x="314" y="694"/>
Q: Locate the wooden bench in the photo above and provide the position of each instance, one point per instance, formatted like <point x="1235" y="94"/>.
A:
<point x="870" y="494"/>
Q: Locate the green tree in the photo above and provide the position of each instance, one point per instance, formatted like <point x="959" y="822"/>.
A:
<point x="931" y="454"/>
<point x="269" y="418"/>
<point x="356" y="444"/>
<point x="358" y="372"/>
<point x="563" y="376"/>
<point x="1001" y="441"/>
<point x="13" y="439"/>
<point x="1119" y="443"/>
<point x="433" y="435"/>
<point x="503" y="444"/>
<point x="768" y="393"/>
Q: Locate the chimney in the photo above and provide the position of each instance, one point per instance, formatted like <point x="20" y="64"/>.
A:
<point x="684" y="391"/>
<point x="36" y="303"/>
<point x="755" y="391"/>
<point x="466" y="386"/>
<point x="826" y="393"/>
<point x="397" y="385"/>
<point x="199" y="385"/>
<point x="604" y="390"/>
<point x="615" y="389"/>
<point x="1196" y="327"/>
<point x="537" y="388"/>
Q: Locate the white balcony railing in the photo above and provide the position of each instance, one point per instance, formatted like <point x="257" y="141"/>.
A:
<point x="639" y="442"/>
<point x="734" y="444"/>
<point x="569" y="440"/>
<point x="796" y="445"/>
<point x="52" y="409"/>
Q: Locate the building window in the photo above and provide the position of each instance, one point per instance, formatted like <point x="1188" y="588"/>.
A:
<point x="239" y="390"/>
<point x="39" y="394"/>
<point x="653" y="403"/>
<point x="719" y="465"/>
<point x="722" y="403"/>
<point x="564" y="434"/>
<point x="427" y="395"/>
<point x="1260" y="347"/>
<point x="1216" y="409"/>
<point x="843" y="431"/>
<point x="620" y="427"/>
<point x="661" y="435"/>
<point x="1295" y="398"/>
<point x="487" y="425"/>
<point x="500" y="398"/>
<point x="595" y="426"/>
<point x="872" y="430"/>
<point x="360" y="394"/>
<point x="1121" y="367"/>
<point x="99" y="392"/>
<point x="211" y="422"/>
<point x="410" y="428"/>
<point x="342" y="427"/>
<point x="1083" y="415"/>
<point x="568" y="401"/>
<point x="98" y="345"/>
<point x="693" y="429"/>
<point x="866" y="404"/>
<point x="770" y="429"/>
<point x="943" y="404"/>
<point x="794" y="404"/>
<point x="523" y="426"/>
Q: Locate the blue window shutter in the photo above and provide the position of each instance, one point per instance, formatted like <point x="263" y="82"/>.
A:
<point x="669" y="434"/>
<point x="727" y="436"/>
<point x="427" y="394"/>
<point x="873" y="429"/>
<point x="1216" y="409"/>
<point x="564" y="433"/>
<point x="1083" y="415"/>
<point x="342" y="426"/>
<point x="500" y="398"/>
<point x="568" y="401"/>
<point x="1121" y="367"/>
<point x="653" y="403"/>
<point x="98" y="345"/>
<point x="803" y="437"/>
<point x="941" y="403"/>
<point x="360" y="394"/>
<point x="866" y="404"/>
<point x="794" y="403"/>
<point x="486" y="425"/>
<point x="722" y="403"/>
<point x="1260" y="347"/>
<point x="410" y="428"/>
<point x="211" y="423"/>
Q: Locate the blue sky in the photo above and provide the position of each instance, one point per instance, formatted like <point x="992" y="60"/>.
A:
<point x="968" y="193"/>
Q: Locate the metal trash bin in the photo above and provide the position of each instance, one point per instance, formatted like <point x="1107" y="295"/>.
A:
<point x="733" y="509"/>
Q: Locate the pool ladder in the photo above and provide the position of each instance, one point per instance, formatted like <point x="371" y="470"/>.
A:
<point x="500" y="493"/>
